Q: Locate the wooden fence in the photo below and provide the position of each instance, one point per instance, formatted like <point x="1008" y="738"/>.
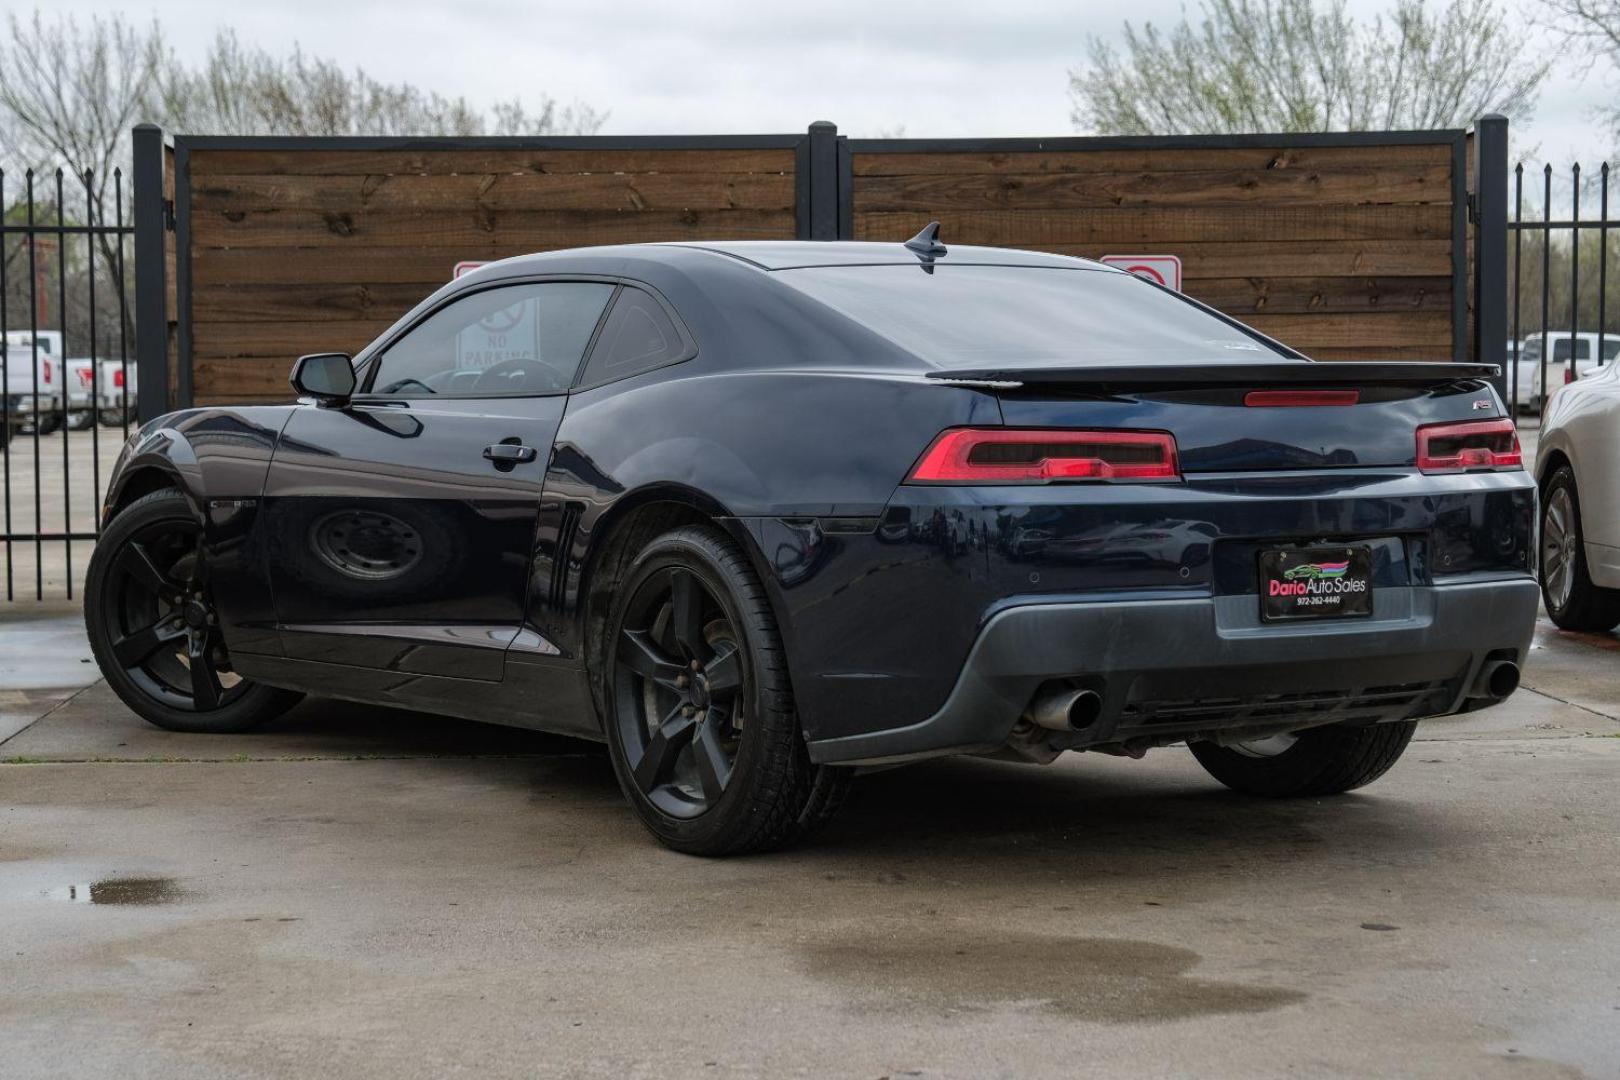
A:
<point x="1344" y="246"/>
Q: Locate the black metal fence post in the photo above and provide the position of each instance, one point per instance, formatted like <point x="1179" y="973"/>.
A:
<point x="151" y="300"/>
<point x="823" y="181"/>
<point x="1490" y="246"/>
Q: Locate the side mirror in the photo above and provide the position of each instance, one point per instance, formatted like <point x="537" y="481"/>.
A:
<point x="326" y="377"/>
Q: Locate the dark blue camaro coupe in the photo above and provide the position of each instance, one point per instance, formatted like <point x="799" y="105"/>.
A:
<point x="759" y="513"/>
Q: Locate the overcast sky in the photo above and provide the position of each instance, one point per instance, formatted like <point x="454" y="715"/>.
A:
<point x="937" y="68"/>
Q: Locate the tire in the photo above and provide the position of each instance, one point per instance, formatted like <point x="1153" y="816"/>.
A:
<point x="691" y="630"/>
<point x="147" y="605"/>
<point x="1572" y="601"/>
<point x="1317" y="761"/>
<point x="50" y="423"/>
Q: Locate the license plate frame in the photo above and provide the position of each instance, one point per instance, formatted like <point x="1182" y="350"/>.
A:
<point x="1310" y="584"/>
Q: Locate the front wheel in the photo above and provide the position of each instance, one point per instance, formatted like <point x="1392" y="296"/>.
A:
<point x="699" y="711"/>
<point x="154" y="630"/>
<point x="1317" y="761"/>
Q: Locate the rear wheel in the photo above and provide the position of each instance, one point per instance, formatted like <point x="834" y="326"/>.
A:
<point x="699" y="712"/>
<point x="1573" y="602"/>
<point x="1317" y="761"/>
<point x="154" y="629"/>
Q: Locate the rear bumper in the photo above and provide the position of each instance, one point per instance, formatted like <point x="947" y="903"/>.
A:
<point x="1168" y="667"/>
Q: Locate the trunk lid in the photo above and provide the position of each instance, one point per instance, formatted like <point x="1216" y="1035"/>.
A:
<point x="1236" y="417"/>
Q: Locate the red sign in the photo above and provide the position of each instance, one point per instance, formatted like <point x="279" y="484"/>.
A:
<point x="1160" y="269"/>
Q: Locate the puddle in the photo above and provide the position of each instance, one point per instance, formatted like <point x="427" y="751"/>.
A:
<point x="135" y="891"/>
<point x="1107" y="980"/>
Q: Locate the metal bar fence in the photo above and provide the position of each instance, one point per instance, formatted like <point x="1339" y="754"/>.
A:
<point x="64" y="368"/>
<point x="1573" y="329"/>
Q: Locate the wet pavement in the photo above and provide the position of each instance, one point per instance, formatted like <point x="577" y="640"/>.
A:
<point x="367" y="892"/>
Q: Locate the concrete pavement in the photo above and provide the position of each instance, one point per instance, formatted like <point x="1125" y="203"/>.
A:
<point x="365" y="892"/>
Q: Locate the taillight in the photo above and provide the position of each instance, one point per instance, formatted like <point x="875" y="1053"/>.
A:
<point x="1569" y="376"/>
<point x="118" y="379"/>
<point x="1036" y="456"/>
<point x="1300" y="398"/>
<point x="1467" y="446"/>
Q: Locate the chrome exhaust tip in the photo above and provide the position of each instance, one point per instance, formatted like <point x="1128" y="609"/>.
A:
<point x="1066" y="710"/>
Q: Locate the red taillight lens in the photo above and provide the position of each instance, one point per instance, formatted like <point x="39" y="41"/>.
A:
<point x="1002" y="456"/>
<point x="118" y="379"/>
<point x="1300" y="398"/>
<point x="1464" y="447"/>
<point x="1569" y="376"/>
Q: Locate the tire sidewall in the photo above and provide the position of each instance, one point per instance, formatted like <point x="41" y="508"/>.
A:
<point x="1563" y="478"/>
<point x="713" y="828"/>
<point x="253" y="706"/>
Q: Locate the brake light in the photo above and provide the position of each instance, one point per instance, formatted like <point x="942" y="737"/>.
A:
<point x="1039" y="456"/>
<point x="1569" y="376"/>
<point x="118" y="379"/>
<point x="1468" y="446"/>
<point x="1299" y="398"/>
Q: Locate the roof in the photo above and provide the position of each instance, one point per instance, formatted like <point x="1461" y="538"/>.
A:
<point x="790" y="254"/>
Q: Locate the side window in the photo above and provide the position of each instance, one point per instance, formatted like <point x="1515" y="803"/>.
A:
<point x="513" y="339"/>
<point x="1561" y="347"/>
<point x="1611" y="349"/>
<point x="638" y="336"/>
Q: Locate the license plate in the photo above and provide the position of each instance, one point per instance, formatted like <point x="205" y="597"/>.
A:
<point x="1315" y="583"/>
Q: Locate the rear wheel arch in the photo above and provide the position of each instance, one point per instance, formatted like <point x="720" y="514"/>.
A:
<point x="635" y="521"/>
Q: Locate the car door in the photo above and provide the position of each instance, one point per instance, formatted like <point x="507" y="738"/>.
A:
<point x="400" y="527"/>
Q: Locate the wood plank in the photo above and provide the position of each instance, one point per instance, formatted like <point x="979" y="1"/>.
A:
<point x="225" y="339"/>
<point x="919" y="163"/>
<point x="262" y="378"/>
<point x="337" y="264"/>
<point x="1243" y="297"/>
<point x="1417" y="329"/>
<point x="469" y="228"/>
<point x="347" y="302"/>
<point x="1320" y="258"/>
<point x="1270" y="188"/>
<point x="529" y="191"/>
<point x="1132" y="225"/>
<point x="317" y="162"/>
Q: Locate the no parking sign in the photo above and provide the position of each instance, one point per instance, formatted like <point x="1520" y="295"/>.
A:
<point x="1160" y="269"/>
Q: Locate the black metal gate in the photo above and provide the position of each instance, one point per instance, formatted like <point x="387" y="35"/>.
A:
<point x="1563" y="323"/>
<point x="67" y="364"/>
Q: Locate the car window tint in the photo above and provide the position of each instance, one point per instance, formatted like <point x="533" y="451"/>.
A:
<point x="516" y="339"/>
<point x="638" y="336"/>
<point x="979" y="316"/>
<point x="1611" y="349"/>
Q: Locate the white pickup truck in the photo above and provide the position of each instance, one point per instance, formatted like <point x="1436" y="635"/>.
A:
<point x="29" y="403"/>
<point x="90" y="394"/>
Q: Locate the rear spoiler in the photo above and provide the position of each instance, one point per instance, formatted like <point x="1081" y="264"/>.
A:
<point x="1218" y="373"/>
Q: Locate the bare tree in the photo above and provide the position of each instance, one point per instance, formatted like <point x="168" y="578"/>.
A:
<point x="1592" y="29"/>
<point x="1306" y="65"/>
<point x="243" y="90"/>
<point x="69" y="95"/>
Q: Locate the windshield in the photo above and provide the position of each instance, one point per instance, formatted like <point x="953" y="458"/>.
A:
<point x="1025" y="316"/>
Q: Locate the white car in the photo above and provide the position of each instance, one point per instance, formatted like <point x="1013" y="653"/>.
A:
<point x="1591" y="352"/>
<point x="1578" y="469"/>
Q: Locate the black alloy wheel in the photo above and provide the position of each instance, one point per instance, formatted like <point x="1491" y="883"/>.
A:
<point x="154" y="628"/>
<point x="698" y="708"/>
<point x="680" y="689"/>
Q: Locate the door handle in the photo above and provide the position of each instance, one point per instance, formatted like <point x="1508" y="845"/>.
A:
<point x="509" y="454"/>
